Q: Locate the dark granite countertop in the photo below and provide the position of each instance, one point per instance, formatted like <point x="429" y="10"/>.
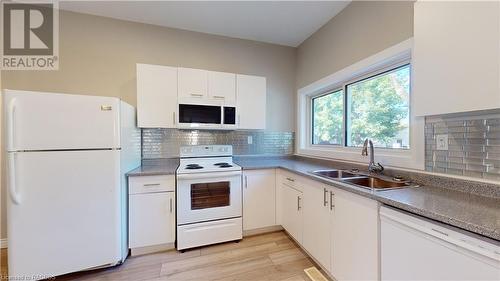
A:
<point x="468" y="211"/>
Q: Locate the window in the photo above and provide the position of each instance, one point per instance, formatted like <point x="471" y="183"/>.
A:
<point x="328" y="118"/>
<point x="376" y="107"/>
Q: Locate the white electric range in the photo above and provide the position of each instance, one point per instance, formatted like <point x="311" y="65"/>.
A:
<point x="209" y="196"/>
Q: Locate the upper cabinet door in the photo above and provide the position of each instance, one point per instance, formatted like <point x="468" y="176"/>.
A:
<point x="193" y="83"/>
<point x="251" y="101"/>
<point x="156" y="96"/>
<point x="222" y="86"/>
<point x="456" y="55"/>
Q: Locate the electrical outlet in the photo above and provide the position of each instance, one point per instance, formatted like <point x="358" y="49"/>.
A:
<point x="441" y="142"/>
<point x="250" y="140"/>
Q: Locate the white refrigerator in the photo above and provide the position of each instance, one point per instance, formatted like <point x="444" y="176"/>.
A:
<point x="67" y="199"/>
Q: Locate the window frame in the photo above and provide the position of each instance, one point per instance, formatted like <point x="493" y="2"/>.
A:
<point x="343" y="87"/>
<point x="396" y="55"/>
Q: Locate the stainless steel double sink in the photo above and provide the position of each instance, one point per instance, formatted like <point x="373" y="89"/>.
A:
<point x="363" y="180"/>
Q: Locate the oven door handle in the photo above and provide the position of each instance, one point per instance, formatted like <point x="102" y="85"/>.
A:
<point x="207" y="175"/>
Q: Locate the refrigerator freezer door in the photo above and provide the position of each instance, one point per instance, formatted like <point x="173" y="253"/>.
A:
<point x="48" y="121"/>
<point x="67" y="217"/>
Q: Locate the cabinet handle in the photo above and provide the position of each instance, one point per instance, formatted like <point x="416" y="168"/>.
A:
<point x="325" y="192"/>
<point x="219" y="97"/>
<point x="331" y="200"/>
<point x="196" y="95"/>
<point x="171" y="209"/>
<point x="150" y="184"/>
<point x="173" y="118"/>
<point x="246" y="182"/>
<point x="298" y="203"/>
<point x="290" y="179"/>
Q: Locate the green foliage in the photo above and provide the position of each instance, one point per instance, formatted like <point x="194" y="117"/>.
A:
<point x="328" y="118"/>
<point x="378" y="108"/>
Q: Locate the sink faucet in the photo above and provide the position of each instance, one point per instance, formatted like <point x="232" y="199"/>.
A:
<point x="372" y="167"/>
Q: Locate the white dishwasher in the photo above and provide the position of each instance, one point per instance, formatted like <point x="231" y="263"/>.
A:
<point x="418" y="249"/>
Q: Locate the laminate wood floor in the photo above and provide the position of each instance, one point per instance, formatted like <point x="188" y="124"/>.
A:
<point x="266" y="257"/>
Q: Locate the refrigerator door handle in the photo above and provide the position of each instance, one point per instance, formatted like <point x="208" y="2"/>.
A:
<point x="10" y="124"/>
<point x="14" y="195"/>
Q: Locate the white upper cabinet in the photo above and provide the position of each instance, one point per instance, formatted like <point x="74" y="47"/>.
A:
<point x="222" y="86"/>
<point x="251" y="101"/>
<point x="156" y="96"/>
<point x="456" y="56"/>
<point x="160" y="90"/>
<point x="193" y="83"/>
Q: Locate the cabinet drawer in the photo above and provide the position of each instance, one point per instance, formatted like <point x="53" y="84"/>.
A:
<point x="290" y="180"/>
<point x="148" y="184"/>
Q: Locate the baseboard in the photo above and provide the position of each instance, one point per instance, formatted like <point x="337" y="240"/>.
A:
<point x="3" y="243"/>
<point x="151" y="249"/>
<point x="262" y="230"/>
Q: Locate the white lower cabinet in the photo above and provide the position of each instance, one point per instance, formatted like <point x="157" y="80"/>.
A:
<point x="292" y="211"/>
<point x="339" y="229"/>
<point x="259" y="199"/>
<point x="151" y="218"/>
<point x="151" y="213"/>
<point x="355" y="237"/>
<point x="317" y="230"/>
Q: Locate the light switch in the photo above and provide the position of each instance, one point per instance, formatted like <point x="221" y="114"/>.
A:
<point x="441" y="142"/>
<point x="250" y="140"/>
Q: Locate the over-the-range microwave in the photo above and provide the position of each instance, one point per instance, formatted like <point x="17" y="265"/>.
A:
<point x="200" y="116"/>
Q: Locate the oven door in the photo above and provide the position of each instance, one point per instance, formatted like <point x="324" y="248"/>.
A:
<point x="208" y="196"/>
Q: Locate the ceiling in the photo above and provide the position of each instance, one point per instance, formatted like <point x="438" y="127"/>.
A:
<point x="286" y="23"/>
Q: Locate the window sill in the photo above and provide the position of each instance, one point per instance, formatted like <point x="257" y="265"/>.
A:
<point x="387" y="157"/>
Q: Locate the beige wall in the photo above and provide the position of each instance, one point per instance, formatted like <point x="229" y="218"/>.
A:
<point x="360" y="30"/>
<point x="98" y="57"/>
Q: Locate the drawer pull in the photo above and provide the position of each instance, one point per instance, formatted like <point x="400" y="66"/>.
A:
<point x="196" y="95"/>
<point x="332" y="205"/>
<point x="325" y="192"/>
<point x="219" y="97"/>
<point x="151" y="184"/>
<point x="290" y="179"/>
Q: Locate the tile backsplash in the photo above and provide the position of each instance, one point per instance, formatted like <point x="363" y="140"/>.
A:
<point x="473" y="145"/>
<point x="165" y="143"/>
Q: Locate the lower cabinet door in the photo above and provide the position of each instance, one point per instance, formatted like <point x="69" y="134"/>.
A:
<point x="292" y="212"/>
<point x="316" y="237"/>
<point x="151" y="219"/>
<point x="259" y="201"/>
<point x="355" y="237"/>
